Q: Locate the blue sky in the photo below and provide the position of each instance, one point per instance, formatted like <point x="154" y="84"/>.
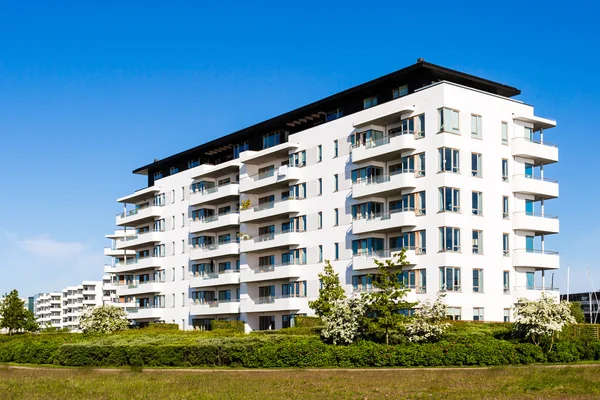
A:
<point x="91" y="90"/>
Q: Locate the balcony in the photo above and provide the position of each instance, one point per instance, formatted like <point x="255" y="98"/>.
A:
<point x="271" y="210"/>
<point x="366" y="259"/>
<point x="203" y="252"/>
<point x="139" y="240"/>
<point x="114" y="252"/>
<point x="216" y="195"/>
<point x="271" y="180"/>
<point x="146" y="312"/>
<point x="215" y="222"/>
<point x="538" y="152"/>
<point x="139" y="215"/>
<point x="270" y="241"/>
<point x="538" y="259"/>
<point x="273" y="303"/>
<point x="386" y="148"/>
<point x="385" y="222"/>
<point x="534" y="292"/>
<point x="133" y="264"/>
<point x="133" y="288"/>
<point x="385" y="185"/>
<point x="228" y="277"/>
<point x="217" y="307"/>
<point x="540" y="188"/>
<point x="541" y="224"/>
<point x="110" y="269"/>
<point x="272" y="272"/>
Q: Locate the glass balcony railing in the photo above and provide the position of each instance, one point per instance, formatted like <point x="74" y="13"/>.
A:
<point x="371" y="143"/>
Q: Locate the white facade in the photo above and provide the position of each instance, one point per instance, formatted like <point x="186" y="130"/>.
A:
<point x="48" y="309"/>
<point x="455" y="175"/>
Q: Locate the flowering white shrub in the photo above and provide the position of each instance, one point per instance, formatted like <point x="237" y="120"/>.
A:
<point x="343" y="323"/>
<point x="428" y="323"/>
<point x="543" y="318"/>
<point x="104" y="319"/>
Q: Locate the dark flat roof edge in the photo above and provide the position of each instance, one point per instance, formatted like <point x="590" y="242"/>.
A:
<point x="503" y="90"/>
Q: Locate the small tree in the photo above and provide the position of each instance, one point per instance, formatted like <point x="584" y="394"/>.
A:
<point x="429" y="321"/>
<point x="342" y="324"/>
<point x="14" y="316"/>
<point x="541" y="319"/>
<point x="330" y="292"/>
<point x="385" y="302"/>
<point x="104" y="319"/>
<point x="577" y="312"/>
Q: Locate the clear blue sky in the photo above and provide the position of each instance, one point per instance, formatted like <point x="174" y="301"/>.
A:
<point x="91" y="90"/>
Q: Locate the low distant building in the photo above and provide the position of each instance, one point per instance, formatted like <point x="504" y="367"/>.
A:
<point x="589" y="303"/>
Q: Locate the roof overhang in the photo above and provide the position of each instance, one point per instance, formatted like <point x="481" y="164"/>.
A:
<point x="270" y="154"/>
<point x="382" y="119"/>
<point x="538" y="122"/>
<point x="215" y="171"/>
<point x="139" y="195"/>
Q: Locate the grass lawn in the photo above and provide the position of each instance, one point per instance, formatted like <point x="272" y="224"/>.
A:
<point x="527" y="382"/>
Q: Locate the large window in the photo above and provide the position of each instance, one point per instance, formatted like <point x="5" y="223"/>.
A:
<point x="448" y="120"/>
<point x="477" y="280"/>
<point x="294" y="289"/>
<point x="370" y="102"/>
<point x="400" y="91"/>
<point x="450" y="279"/>
<point x="477" y="313"/>
<point x="298" y="159"/>
<point x="454" y="313"/>
<point x="367" y="210"/>
<point x="449" y="199"/>
<point x="334" y="114"/>
<point x="477" y="241"/>
<point x="410" y="241"/>
<point x="415" y="279"/>
<point x="477" y="203"/>
<point x="476" y="126"/>
<point x="449" y="239"/>
<point x="367" y="246"/>
<point x="362" y="283"/>
<point x="266" y="322"/>
<point x="239" y="148"/>
<point x="366" y="174"/>
<point x="273" y="139"/>
<point x="449" y="160"/>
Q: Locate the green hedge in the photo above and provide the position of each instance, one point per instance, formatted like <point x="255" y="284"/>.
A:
<point x="232" y="326"/>
<point x="161" y="327"/>
<point x="308" y="322"/>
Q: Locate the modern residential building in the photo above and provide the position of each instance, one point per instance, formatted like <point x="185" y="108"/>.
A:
<point x="441" y="163"/>
<point x="48" y="309"/>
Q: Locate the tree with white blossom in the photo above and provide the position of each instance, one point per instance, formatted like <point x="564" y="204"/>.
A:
<point x="104" y="319"/>
<point x="541" y="319"/>
<point x="429" y="321"/>
<point x="342" y="324"/>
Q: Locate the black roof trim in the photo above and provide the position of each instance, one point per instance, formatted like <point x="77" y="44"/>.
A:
<point x="439" y="72"/>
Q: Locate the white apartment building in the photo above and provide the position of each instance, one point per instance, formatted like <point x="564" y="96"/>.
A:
<point x="443" y="164"/>
<point x="48" y="309"/>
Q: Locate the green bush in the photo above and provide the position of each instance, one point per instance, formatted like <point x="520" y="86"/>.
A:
<point x="232" y="326"/>
<point x="161" y="327"/>
<point x="308" y="322"/>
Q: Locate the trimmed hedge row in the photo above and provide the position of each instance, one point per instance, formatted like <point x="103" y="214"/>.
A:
<point x="232" y="326"/>
<point x="289" y="351"/>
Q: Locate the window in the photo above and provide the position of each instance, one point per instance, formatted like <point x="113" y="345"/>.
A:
<point x="477" y="203"/>
<point x="266" y="323"/>
<point x="453" y="313"/>
<point x="477" y="313"/>
<point x="507" y="315"/>
<point x="448" y="120"/>
<point x="528" y="133"/>
<point x="298" y="159"/>
<point x="336" y="248"/>
<point x="182" y="272"/>
<point x="319" y="186"/>
<point x="182" y="299"/>
<point x="182" y="193"/>
<point x="320" y="220"/>
<point x="448" y="160"/>
<point x="172" y="196"/>
<point x="400" y="91"/>
<point x="506" y="281"/>
<point x="334" y="114"/>
<point x="370" y="102"/>
<point x="504" y="133"/>
<point x="505" y="207"/>
<point x="335" y="183"/>
<point x="362" y="283"/>
<point x="335" y="148"/>
<point x="157" y="175"/>
<point x="173" y="170"/>
<point x="414" y="279"/>
<point x="239" y="148"/>
<point x="319" y="153"/>
<point x="449" y="199"/>
<point x="336" y="216"/>
<point x="271" y="139"/>
<point x="476" y="165"/>
<point x="193" y="163"/>
<point x="477" y="242"/>
<point x="450" y="279"/>
<point x="320" y="253"/>
<point x="449" y="239"/>
<point x="477" y="281"/>
<point x="476" y="126"/>
<point x="530" y="280"/>
<point x="505" y="246"/>
<point x="173" y="275"/>
<point x="182" y="246"/>
<point x="504" y="170"/>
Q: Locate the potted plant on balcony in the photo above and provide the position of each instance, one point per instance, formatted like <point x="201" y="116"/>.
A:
<point x="245" y="204"/>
